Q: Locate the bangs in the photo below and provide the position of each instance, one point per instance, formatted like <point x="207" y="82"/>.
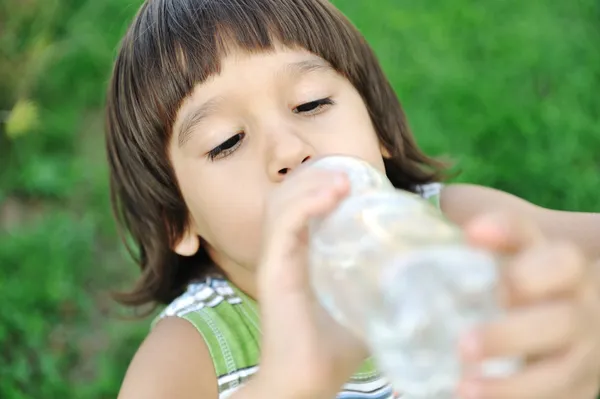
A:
<point x="177" y="44"/>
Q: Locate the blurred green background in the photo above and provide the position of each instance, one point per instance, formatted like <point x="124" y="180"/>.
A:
<point x="508" y="88"/>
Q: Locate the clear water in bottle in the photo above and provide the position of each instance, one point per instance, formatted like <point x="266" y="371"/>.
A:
<point x="388" y="266"/>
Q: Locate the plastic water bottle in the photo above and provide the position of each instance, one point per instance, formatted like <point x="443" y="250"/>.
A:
<point x="387" y="265"/>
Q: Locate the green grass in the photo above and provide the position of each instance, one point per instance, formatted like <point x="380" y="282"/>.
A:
<point x="509" y="89"/>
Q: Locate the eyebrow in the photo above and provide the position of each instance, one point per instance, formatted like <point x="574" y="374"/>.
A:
<point x="193" y="118"/>
<point x="300" y="68"/>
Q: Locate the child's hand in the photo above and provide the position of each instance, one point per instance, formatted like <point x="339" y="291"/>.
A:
<point x="303" y="350"/>
<point x="553" y="321"/>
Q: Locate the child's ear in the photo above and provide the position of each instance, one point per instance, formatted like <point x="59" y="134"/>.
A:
<point x="384" y="152"/>
<point x="188" y="245"/>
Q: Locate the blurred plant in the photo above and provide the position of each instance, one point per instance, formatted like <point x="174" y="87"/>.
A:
<point x="53" y="330"/>
<point x="54" y="63"/>
<point x="23" y="118"/>
<point x="58" y="255"/>
<point x="26" y="44"/>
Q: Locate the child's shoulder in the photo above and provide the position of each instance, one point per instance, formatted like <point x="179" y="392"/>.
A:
<point x="199" y="344"/>
<point x="228" y="322"/>
<point x="173" y="361"/>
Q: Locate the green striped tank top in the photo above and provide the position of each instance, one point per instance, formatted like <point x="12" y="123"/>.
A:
<point x="228" y="321"/>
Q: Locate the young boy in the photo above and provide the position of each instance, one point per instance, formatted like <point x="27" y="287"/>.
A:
<point x="212" y="107"/>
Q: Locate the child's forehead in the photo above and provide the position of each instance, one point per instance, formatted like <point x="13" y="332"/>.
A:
<point x="289" y="60"/>
<point x="282" y="65"/>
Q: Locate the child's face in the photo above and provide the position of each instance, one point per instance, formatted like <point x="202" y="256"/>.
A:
<point x="242" y="131"/>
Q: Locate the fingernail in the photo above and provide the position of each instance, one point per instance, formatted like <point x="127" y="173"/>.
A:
<point x="470" y="346"/>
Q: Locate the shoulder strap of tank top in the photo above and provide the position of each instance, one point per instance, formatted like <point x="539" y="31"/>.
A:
<point x="432" y="193"/>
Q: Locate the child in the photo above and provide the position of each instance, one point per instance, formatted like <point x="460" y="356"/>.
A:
<point x="212" y="107"/>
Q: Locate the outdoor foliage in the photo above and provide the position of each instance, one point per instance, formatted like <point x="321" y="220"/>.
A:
<point x="508" y="89"/>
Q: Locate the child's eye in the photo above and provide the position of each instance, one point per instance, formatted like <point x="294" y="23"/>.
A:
<point x="313" y="107"/>
<point x="227" y="147"/>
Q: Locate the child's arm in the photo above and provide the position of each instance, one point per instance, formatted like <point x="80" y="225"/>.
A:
<point x="463" y="202"/>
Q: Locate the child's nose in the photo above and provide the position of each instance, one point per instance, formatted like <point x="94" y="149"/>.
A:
<point x="285" y="171"/>
<point x="286" y="154"/>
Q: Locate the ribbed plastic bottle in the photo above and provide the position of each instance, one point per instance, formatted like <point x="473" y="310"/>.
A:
<point x="388" y="266"/>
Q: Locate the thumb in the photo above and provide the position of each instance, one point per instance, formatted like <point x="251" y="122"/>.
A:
<point x="503" y="232"/>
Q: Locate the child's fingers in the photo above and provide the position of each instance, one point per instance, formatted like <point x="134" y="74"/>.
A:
<point x="288" y="213"/>
<point x="545" y="272"/>
<point x="302" y="198"/>
<point x="530" y="332"/>
<point x="563" y="375"/>
<point x="305" y="182"/>
<point x="545" y="379"/>
<point x="500" y="232"/>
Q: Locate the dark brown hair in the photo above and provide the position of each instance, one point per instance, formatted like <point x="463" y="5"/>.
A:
<point x="171" y="46"/>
